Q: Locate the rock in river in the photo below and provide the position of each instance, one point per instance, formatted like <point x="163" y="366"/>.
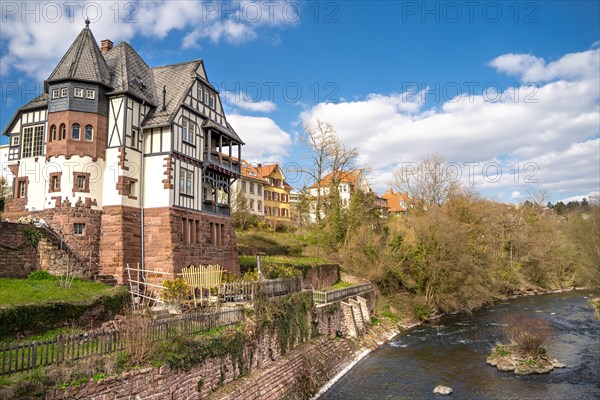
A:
<point x="442" y="390"/>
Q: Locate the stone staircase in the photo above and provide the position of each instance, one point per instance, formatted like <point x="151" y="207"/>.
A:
<point x="356" y="316"/>
<point x="108" y="279"/>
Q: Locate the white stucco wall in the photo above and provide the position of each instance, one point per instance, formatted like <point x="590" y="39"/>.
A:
<point x="155" y="195"/>
<point x="255" y="197"/>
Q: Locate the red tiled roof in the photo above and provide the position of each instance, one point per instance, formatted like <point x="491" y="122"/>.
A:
<point x="350" y="177"/>
<point x="249" y="172"/>
<point x="266" y="170"/>
<point x="394" y="200"/>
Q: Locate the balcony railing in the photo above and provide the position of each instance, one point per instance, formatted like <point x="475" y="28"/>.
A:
<point x="219" y="209"/>
<point x="222" y="160"/>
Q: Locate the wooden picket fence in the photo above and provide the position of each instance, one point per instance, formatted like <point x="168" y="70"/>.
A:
<point x="17" y="357"/>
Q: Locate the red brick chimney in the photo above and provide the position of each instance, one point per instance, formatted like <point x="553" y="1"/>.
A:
<point x="106" y="45"/>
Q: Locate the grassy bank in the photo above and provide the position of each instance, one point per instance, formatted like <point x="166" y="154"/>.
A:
<point x="34" y="307"/>
<point x="15" y="292"/>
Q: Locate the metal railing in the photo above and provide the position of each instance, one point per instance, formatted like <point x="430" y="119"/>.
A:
<point x="246" y="291"/>
<point x="17" y="357"/>
<point x="332" y="296"/>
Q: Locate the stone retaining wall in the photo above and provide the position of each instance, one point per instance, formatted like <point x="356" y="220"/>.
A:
<point x="17" y="257"/>
<point x="272" y="376"/>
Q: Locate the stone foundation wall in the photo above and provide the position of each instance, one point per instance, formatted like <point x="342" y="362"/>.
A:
<point x="321" y="276"/>
<point x="58" y="261"/>
<point x="120" y="243"/>
<point x="174" y="239"/>
<point x="83" y="252"/>
<point x="17" y="257"/>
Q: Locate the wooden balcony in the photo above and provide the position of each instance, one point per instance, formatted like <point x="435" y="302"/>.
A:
<point x="223" y="161"/>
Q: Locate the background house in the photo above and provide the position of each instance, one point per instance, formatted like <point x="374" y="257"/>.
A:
<point x="398" y="203"/>
<point x="348" y="182"/>
<point x="248" y="189"/>
<point x="276" y="194"/>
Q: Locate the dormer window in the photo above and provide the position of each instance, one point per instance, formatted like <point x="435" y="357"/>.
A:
<point x="55" y="93"/>
<point x="78" y="92"/>
<point x="90" y="94"/>
<point x="140" y="81"/>
<point x="64" y="92"/>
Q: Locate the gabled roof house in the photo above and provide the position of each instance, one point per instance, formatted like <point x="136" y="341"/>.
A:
<point x="130" y="164"/>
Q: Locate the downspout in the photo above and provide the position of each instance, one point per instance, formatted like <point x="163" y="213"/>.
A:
<point x="142" y="265"/>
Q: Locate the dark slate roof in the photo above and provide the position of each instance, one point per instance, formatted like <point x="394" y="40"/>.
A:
<point x="83" y="61"/>
<point x="125" y="66"/>
<point x="209" y="123"/>
<point x="178" y="79"/>
<point x="38" y="102"/>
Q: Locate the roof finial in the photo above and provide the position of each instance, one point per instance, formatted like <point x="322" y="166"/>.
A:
<point x="87" y="22"/>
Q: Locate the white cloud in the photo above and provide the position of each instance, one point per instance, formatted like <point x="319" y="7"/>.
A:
<point x="592" y="197"/>
<point x="534" y="69"/>
<point x="34" y="33"/>
<point x="515" y="195"/>
<point x="245" y="103"/>
<point x="551" y="128"/>
<point x="265" y="141"/>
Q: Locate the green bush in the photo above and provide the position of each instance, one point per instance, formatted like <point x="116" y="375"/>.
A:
<point x="421" y="311"/>
<point x="175" y="290"/>
<point x="41" y="275"/>
<point x="294" y="250"/>
<point x="32" y="235"/>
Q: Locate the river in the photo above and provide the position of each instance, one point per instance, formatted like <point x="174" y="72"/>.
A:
<point x="452" y="351"/>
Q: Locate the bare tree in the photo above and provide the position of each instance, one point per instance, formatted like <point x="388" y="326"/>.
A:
<point x="301" y="210"/>
<point x="538" y="197"/>
<point x="429" y="182"/>
<point x="341" y="160"/>
<point x="327" y="154"/>
<point x="241" y="210"/>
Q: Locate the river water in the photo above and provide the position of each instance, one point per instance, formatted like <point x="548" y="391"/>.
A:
<point x="452" y="351"/>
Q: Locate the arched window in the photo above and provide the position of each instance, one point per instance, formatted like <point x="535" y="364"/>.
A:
<point x="89" y="132"/>
<point x="52" y="135"/>
<point x="63" y="132"/>
<point x="75" y="132"/>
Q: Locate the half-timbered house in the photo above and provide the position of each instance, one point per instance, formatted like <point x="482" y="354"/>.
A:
<point x="128" y="164"/>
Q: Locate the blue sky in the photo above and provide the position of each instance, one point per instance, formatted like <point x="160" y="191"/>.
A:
<point x="506" y="91"/>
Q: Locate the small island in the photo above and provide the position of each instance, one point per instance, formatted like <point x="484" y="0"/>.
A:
<point x="525" y="354"/>
<point x="511" y="358"/>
